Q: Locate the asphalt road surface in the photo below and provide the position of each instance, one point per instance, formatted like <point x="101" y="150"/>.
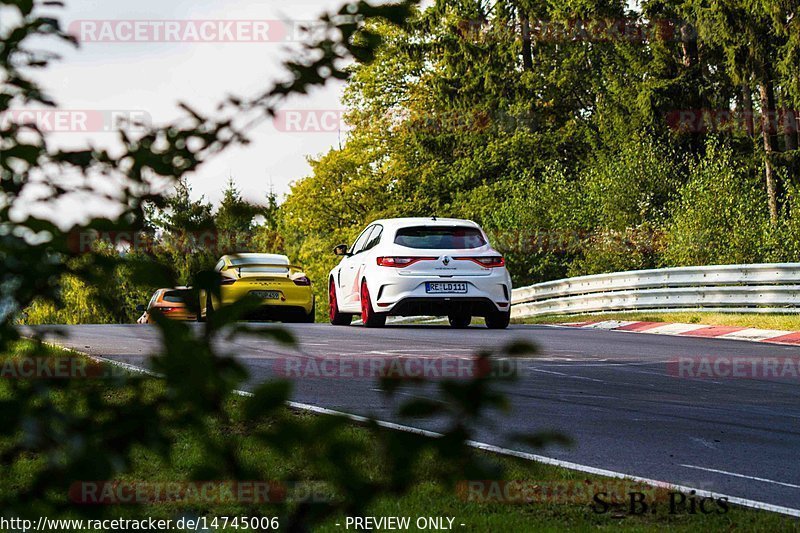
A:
<point x="614" y="393"/>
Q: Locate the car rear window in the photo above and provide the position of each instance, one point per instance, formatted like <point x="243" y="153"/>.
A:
<point x="446" y="237"/>
<point x="176" y="297"/>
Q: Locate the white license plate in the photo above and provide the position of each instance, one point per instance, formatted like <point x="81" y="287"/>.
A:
<point x="447" y="287"/>
<point x="267" y="295"/>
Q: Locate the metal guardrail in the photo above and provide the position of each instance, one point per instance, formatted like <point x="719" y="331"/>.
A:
<point x="756" y="288"/>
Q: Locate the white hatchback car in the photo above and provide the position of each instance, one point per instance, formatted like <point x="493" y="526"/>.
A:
<point x="420" y="266"/>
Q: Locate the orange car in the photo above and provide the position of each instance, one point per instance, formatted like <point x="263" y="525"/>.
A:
<point x="170" y="302"/>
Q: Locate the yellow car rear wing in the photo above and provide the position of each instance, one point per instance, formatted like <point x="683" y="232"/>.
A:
<point x="290" y="268"/>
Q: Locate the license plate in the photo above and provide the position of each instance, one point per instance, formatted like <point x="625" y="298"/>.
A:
<point x="445" y="287"/>
<point x="267" y="295"/>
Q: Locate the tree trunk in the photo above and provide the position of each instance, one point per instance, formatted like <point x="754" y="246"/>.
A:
<point x="527" y="61"/>
<point x="789" y="124"/>
<point x="688" y="46"/>
<point x="793" y="105"/>
<point x="768" y="133"/>
<point x="747" y="110"/>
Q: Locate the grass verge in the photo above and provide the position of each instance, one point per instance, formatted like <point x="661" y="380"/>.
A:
<point x="558" y="499"/>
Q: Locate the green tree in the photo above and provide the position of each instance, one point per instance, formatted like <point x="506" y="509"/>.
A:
<point x="181" y="214"/>
<point x="185" y="235"/>
<point x="61" y="431"/>
<point x="753" y="36"/>
<point x="234" y="214"/>
<point x="718" y="216"/>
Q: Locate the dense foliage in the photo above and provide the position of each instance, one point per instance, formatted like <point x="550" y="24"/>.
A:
<point x="585" y="136"/>
<point x="58" y="432"/>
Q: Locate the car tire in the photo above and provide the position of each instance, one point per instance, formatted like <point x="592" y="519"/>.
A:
<point x="312" y="316"/>
<point x="369" y="317"/>
<point x="459" y="321"/>
<point x="200" y="317"/>
<point x="209" y="307"/>
<point x="337" y="318"/>
<point x="498" y="320"/>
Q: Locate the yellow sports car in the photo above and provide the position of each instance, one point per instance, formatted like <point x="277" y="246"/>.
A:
<point x="284" y="290"/>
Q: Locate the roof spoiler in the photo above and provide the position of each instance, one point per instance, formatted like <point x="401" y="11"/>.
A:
<point x="277" y="265"/>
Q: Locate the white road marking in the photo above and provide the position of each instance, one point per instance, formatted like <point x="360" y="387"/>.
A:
<point x="565" y="375"/>
<point x="609" y="324"/>
<point x="753" y="334"/>
<point x="555" y="462"/>
<point x="425" y="353"/>
<point x="704" y="442"/>
<point x="753" y="504"/>
<point x="604" y="363"/>
<point x="675" y="328"/>
<point x="734" y="474"/>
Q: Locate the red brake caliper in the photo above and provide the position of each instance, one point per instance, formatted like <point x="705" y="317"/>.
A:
<point x="332" y="298"/>
<point x="365" y="305"/>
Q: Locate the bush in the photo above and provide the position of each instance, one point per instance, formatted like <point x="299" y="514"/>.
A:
<point x="534" y="221"/>
<point x="720" y="216"/>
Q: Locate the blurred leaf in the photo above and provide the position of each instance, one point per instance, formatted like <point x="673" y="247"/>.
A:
<point x="520" y="347"/>
<point x="542" y="439"/>
<point x="267" y="398"/>
<point x="420" y="408"/>
<point x="277" y="333"/>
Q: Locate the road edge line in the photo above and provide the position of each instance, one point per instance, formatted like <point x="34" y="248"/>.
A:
<point x="491" y="448"/>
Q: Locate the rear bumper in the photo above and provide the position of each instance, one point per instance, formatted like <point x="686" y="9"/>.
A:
<point x="441" y="306"/>
<point x="294" y="298"/>
<point x="407" y="296"/>
<point x="175" y="315"/>
<point x="278" y="313"/>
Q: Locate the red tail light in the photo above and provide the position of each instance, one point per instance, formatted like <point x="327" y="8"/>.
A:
<point x="492" y="261"/>
<point x="167" y="309"/>
<point x="303" y="281"/>
<point x="400" y="262"/>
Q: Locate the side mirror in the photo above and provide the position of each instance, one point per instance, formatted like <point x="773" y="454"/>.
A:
<point x="340" y="250"/>
<point x="140" y="308"/>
